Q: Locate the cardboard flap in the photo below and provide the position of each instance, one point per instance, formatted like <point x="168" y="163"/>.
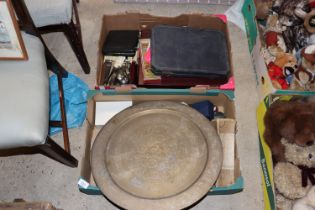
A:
<point x="124" y="21"/>
<point x="125" y="88"/>
<point x="226" y="126"/>
<point x="206" y="21"/>
<point x="148" y="21"/>
<point x="90" y="115"/>
<point x="199" y="89"/>
<point x="226" y="130"/>
<point x="249" y="13"/>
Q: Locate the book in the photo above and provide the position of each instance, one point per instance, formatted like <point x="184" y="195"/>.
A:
<point x="145" y="70"/>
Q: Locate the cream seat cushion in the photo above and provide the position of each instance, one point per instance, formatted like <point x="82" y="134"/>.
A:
<point x="50" y="12"/>
<point x="24" y="93"/>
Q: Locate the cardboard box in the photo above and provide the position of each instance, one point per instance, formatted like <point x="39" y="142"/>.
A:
<point x="264" y="84"/>
<point x="223" y="102"/>
<point x="265" y="159"/>
<point x="143" y="22"/>
<point x="203" y="2"/>
<point x="222" y="96"/>
<point x="20" y="204"/>
<point x="265" y="152"/>
<point x="267" y="94"/>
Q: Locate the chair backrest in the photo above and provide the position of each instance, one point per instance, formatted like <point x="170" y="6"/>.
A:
<point x="27" y="24"/>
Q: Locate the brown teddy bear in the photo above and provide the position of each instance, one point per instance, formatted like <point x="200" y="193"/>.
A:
<point x="284" y="65"/>
<point x="304" y="77"/>
<point x="294" y="177"/>
<point x="292" y="120"/>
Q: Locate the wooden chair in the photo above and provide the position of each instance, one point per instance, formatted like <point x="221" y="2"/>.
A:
<point x="24" y="92"/>
<point x="60" y="16"/>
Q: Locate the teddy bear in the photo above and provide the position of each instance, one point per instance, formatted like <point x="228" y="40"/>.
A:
<point x="304" y="77"/>
<point x="294" y="177"/>
<point x="263" y="8"/>
<point x="291" y="15"/>
<point x="281" y="65"/>
<point x="281" y="70"/>
<point x="293" y="120"/>
<point x="307" y="202"/>
<point x="273" y="36"/>
<point x="309" y="19"/>
<point x="291" y="12"/>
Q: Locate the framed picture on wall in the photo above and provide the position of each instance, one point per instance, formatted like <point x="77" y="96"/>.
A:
<point x="11" y="42"/>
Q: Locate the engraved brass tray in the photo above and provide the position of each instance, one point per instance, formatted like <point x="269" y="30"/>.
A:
<point x="156" y="155"/>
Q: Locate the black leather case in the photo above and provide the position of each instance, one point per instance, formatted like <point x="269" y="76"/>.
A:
<point x="189" y="52"/>
<point x="121" y="43"/>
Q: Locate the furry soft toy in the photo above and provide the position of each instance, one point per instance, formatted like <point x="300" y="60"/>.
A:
<point x="273" y="36"/>
<point x="282" y="67"/>
<point x="295" y="38"/>
<point x="291" y="14"/>
<point x="309" y="19"/>
<point x="304" y="77"/>
<point x="263" y="8"/>
<point x="294" y="177"/>
<point x="292" y="120"/>
<point x="283" y="203"/>
<point x="307" y="202"/>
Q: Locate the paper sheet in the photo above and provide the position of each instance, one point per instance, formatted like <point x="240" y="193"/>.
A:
<point x="106" y="110"/>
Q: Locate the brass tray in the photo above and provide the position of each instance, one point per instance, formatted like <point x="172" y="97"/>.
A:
<point x="156" y="155"/>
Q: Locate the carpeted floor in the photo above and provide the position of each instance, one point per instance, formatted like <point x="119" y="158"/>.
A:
<point x="36" y="177"/>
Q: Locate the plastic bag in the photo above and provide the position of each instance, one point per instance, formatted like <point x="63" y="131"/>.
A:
<point x="75" y="99"/>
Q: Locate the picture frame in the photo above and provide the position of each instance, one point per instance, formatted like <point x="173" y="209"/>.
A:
<point x="11" y="43"/>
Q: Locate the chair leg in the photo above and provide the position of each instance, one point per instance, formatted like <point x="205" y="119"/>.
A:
<point x="54" y="151"/>
<point x="76" y="19"/>
<point x="77" y="46"/>
<point x="63" y="114"/>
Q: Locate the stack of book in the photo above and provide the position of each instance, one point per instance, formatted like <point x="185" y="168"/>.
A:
<point x="171" y="56"/>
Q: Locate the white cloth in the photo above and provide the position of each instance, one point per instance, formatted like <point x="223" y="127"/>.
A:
<point x="50" y="12"/>
<point x="24" y="93"/>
